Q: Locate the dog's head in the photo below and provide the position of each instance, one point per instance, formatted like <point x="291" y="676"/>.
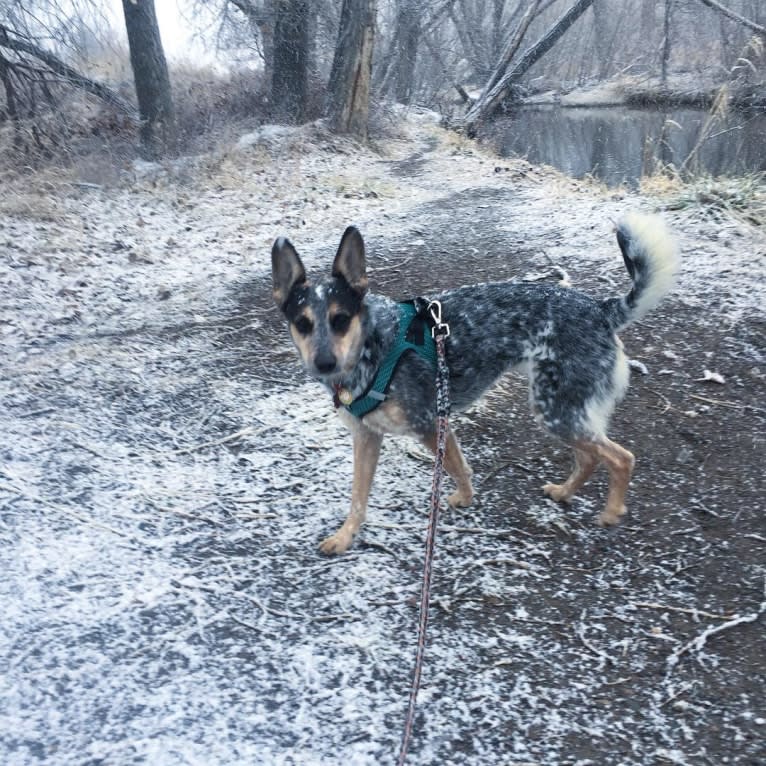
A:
<point x="326" y="320"/>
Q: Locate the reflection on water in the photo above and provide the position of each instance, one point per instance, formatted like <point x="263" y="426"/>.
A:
<point x="619" y="144"/>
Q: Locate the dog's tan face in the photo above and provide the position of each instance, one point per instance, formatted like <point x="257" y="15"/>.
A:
<point x="326" y="321"/>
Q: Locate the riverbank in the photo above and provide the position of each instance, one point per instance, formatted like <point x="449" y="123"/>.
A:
<point x="678" y="91"/>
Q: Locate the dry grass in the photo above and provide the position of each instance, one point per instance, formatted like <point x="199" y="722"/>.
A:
<point x="741" y="197"/>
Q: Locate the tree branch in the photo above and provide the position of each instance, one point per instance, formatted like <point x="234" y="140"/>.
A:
<point x="72" y="76"/>
<point x="492" y="97"/>
<point x="716" y="6"/>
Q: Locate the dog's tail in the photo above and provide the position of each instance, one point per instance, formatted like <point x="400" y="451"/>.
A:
<point x="651" y="257"/>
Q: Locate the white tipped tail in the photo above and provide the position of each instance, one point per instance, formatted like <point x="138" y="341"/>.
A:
<point x="651" y="258"/>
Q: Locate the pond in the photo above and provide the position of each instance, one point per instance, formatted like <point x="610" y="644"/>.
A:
<point x="620" y="144"/>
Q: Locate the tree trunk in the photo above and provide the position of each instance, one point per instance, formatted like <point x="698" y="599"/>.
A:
<point x="12" y="113"/>
<point x="666" y="43"/>
<point x="261" y="16"/>
<point x="474" y="52"/>
<point x="490" y="101"/>
<point x="407" y="36"/>
<point x="150" y="72"/>
<point x="289" y="82"/>
<point x="513" y="44"/>
<point x="349" y="87"/>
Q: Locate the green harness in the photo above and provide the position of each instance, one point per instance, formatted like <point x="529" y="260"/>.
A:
<point x="422" y="344"/>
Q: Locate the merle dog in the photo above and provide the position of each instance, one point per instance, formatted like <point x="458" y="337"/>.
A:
<point x="565" y="340"/>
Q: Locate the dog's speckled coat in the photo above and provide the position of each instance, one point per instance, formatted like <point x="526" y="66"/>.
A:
<point x="564" y="339"/>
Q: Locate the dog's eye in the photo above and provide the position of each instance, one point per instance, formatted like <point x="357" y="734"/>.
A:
<point x="340" y="323"/>
<point x="304" y="325"/>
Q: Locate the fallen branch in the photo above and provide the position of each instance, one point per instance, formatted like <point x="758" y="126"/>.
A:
<point x="696" y="644"/>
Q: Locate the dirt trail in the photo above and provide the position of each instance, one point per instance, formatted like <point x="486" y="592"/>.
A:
<point x="168" y="471"/>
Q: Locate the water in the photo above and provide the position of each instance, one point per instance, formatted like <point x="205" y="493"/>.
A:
<point x="619" y="144"/>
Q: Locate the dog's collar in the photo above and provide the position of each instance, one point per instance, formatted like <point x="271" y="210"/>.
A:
<point x="412" y="336"/>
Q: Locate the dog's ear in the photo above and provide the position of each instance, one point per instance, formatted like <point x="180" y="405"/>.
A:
<point x="286" y="270"/>
<point x="350" y="262"/>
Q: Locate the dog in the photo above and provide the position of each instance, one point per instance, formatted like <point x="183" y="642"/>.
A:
<point x="565" y="340"/>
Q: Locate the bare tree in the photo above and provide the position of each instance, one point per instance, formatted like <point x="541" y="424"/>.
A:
<point x="150" y="72"/>
<point x="261" y="16"/>
<point x="21" y="44"/>
<point x="406" y="39"/>
<point x="666" y="42"/>
<point x="349" y="87"/>
<point x="497" y="93"/>
<point x="289" y="84"/>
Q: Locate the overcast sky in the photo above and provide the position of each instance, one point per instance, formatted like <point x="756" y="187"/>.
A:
<point x="179" y="32"/>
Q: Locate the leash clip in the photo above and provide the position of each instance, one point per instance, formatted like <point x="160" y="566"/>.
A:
<point x="434" y="308"/>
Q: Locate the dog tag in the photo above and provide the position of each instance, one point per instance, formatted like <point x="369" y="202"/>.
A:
<point x="345" y="396"/>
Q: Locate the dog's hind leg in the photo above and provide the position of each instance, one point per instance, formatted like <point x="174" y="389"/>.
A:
<point x="457" y="468"/>
<point x="586" y="459"/>
<point x="619" y="462"/>
<point x="366" y="452"/>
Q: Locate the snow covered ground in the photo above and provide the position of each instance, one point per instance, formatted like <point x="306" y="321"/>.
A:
<point x="167" y="472"/>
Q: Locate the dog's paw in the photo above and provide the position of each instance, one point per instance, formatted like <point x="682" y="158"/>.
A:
<point x="336" y="544"/>
<point x="557" y="492"/>
<point x="460" y="499"/>
<point x="611" y="516"/>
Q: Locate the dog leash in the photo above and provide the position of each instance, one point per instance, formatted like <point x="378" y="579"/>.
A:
<point x="439" y="332"/>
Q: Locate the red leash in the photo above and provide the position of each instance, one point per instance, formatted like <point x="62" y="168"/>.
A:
<point x="440" y="331"/>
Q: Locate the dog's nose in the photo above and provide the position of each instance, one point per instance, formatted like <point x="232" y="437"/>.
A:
<point x="325" y="363"/>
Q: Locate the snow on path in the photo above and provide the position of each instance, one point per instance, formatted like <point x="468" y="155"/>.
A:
<point x="163" y="601"/>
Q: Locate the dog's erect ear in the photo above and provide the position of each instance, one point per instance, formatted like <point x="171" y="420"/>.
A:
<point x="286" y="270"/>
<point x="350" y="262"/>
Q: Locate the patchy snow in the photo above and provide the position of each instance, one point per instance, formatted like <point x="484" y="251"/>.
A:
<point x="167" y="473"/>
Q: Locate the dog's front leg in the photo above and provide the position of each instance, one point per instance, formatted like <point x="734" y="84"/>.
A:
<point x="366" y="452"/>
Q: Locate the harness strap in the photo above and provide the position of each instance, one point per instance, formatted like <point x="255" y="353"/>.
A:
<point x="426" y="347"/>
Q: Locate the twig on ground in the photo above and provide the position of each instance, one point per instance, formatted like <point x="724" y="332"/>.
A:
<point x="297" y="616"/>
<point x="679" y="569"/>
<point x="380" y="547"/>
<point x="507" y="532"/>
<point x="185" y="514"/>
<point x="61" y="509"/>
<point x="684" y="610"/>
<point x="668" y="405"/>
<point x="580" y="633"/>
<point x="503" y="466"/>
<point x="216" y="442"/>
<point x="488" y="562"/>
<point x="720" y="402"/>
<point x="93" y="451"/>
<point x="733" y="405"/>
<point x="685" y="688"/>
<point x="696" y="644"/>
